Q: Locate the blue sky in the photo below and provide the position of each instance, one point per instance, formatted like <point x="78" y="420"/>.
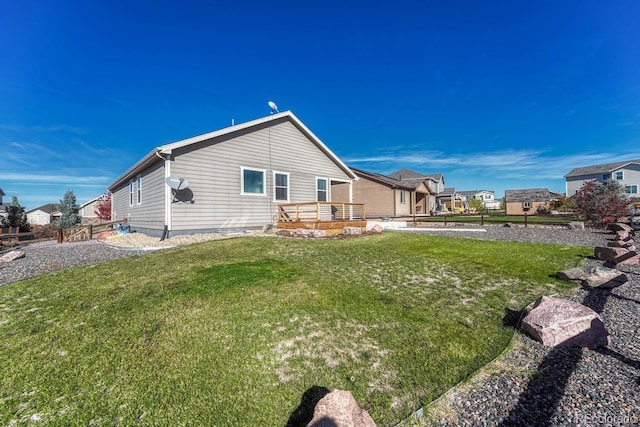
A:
<point x="494" y="94"/>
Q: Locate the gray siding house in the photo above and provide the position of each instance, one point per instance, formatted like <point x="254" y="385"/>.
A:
<point x="627" y="173"/>
<point x="236" y="178"/>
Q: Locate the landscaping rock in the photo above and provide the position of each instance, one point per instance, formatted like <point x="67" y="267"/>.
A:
<point x="622" y="235"/>
<point x="616" y="255"/>
<point x="556" y="321"/>
<point x="340" y="409"/>
<point x="618" y="226"/>
<point x="597" y="277"/>
<point x="351" y="231"/>
<point x="603" y="277"/>
<point x="303" y="232"/>
<point x="12" y="256"/>
<point x="376" y="229"/>
<point x="572" y="274"/>
<point x="576" y="225"/>
<point x="622" y="244"/>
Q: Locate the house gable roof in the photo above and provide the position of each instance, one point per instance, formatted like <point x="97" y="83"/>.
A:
<point x="404" y="174"/>
<point x="527" y="195"/>
<point x="155" y="155"/>
<point x="379" y="178"/>
<point x="599" y="169"/>
<point x="49" y="208"/>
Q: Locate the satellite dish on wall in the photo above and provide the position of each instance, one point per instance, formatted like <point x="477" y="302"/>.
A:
<point x="176" y="183"/>
<point x="273" y="106"/>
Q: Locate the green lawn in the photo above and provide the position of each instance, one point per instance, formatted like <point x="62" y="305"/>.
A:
<point x="233" y="332"/>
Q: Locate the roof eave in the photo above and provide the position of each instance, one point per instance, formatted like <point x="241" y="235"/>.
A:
<point x="139" y="166"/>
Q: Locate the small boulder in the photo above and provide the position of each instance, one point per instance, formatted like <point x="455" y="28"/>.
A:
<point x="602" y="277"/>
<point x="351" y="231"/>
<point x="12" y="256"/>
<point x="304" y="232"/>
<point x="576" y="225"/>
<point x="622" y="235"/>
<point x="340" y="409"/>
<point x="572" y="274"/>
<point x="621" y="244"/>
<point x="556" y="321"/>
<point x="376" y="229"/>
<point x="616" y="255"/>
<point x="618" y="226"/>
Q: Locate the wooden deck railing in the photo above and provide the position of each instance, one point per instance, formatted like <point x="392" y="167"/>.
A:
<point x="321" y="211"/>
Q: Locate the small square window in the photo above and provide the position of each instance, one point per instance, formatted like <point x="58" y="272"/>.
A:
<point x="253" y="181"/>
<point x="620" y="175"/>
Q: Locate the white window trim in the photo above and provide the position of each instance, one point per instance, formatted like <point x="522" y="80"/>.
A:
<point x="327" y="190"/>
<point x="526" y="205"/>
<point x="288" y="186"/>
<point x="131" y="191"/>
<point x="403" y="197"/>
<point x="139" y="189"/>
<point x="628" y="188"/>
<point x="264" y="183"/>
<point x="616" y="175"/>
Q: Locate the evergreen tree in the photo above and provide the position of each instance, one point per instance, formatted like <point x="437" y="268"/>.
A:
<point x="68" y="208"/>
<point x="16" y="216"/>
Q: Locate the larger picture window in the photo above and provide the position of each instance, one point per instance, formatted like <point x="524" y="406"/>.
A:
<point x="253" y="181"/>
<point x="281" y="184"/>
<point x="322" y="189"/>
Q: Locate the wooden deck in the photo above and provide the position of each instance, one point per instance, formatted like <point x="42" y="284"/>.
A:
<point x="321" y="215"/>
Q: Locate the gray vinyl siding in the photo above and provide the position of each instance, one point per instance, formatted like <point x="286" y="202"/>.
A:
<point x="631" y="177"/>
<point x="213" y="169"/>
<point x="151" y="212"/>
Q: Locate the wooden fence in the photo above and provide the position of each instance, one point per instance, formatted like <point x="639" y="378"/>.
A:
<point x="85" y="232"/>
<point x="13" y="235"/>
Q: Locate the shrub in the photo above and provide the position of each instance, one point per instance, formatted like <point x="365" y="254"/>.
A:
<point x="601" y="203"/>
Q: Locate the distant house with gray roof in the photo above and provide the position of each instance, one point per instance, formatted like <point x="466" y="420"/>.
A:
<point x="387" y="196"/>
<point x="529" y="201"/>
<point x="42" y="215"/>
<point x="626" y="173"/>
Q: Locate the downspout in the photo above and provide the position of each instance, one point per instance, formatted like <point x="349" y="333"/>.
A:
<point x="167" y="196"/>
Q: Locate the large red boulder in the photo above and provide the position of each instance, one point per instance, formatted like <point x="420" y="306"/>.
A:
<point x="340" y="409"/>
<point x="556" y="321"/>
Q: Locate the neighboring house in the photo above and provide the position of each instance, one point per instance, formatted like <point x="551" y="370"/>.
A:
<point x="519" y="202"/>
<point x="627" y="173"/>
<point x="236" y="176"/>
<point x="486" y="196"/>
<point x="385" y="196"/>
<point x="449" y="200"/>
<point x="434" y="182"/>
<point x="42" y="215"/>
<point x="87" y="211"/>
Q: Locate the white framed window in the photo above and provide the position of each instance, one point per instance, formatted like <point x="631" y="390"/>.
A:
<point x="280" y="186"/>
<point x="526" y="205"/>
<point x="322" y="189"/>
<point x="130" y="193"/>
<point x="403" y="196"/>
<point x="139" y="189"/>
<point x="631" y="189"/>
<point x="620" y="175"/>
<point x="252" y="181"/>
